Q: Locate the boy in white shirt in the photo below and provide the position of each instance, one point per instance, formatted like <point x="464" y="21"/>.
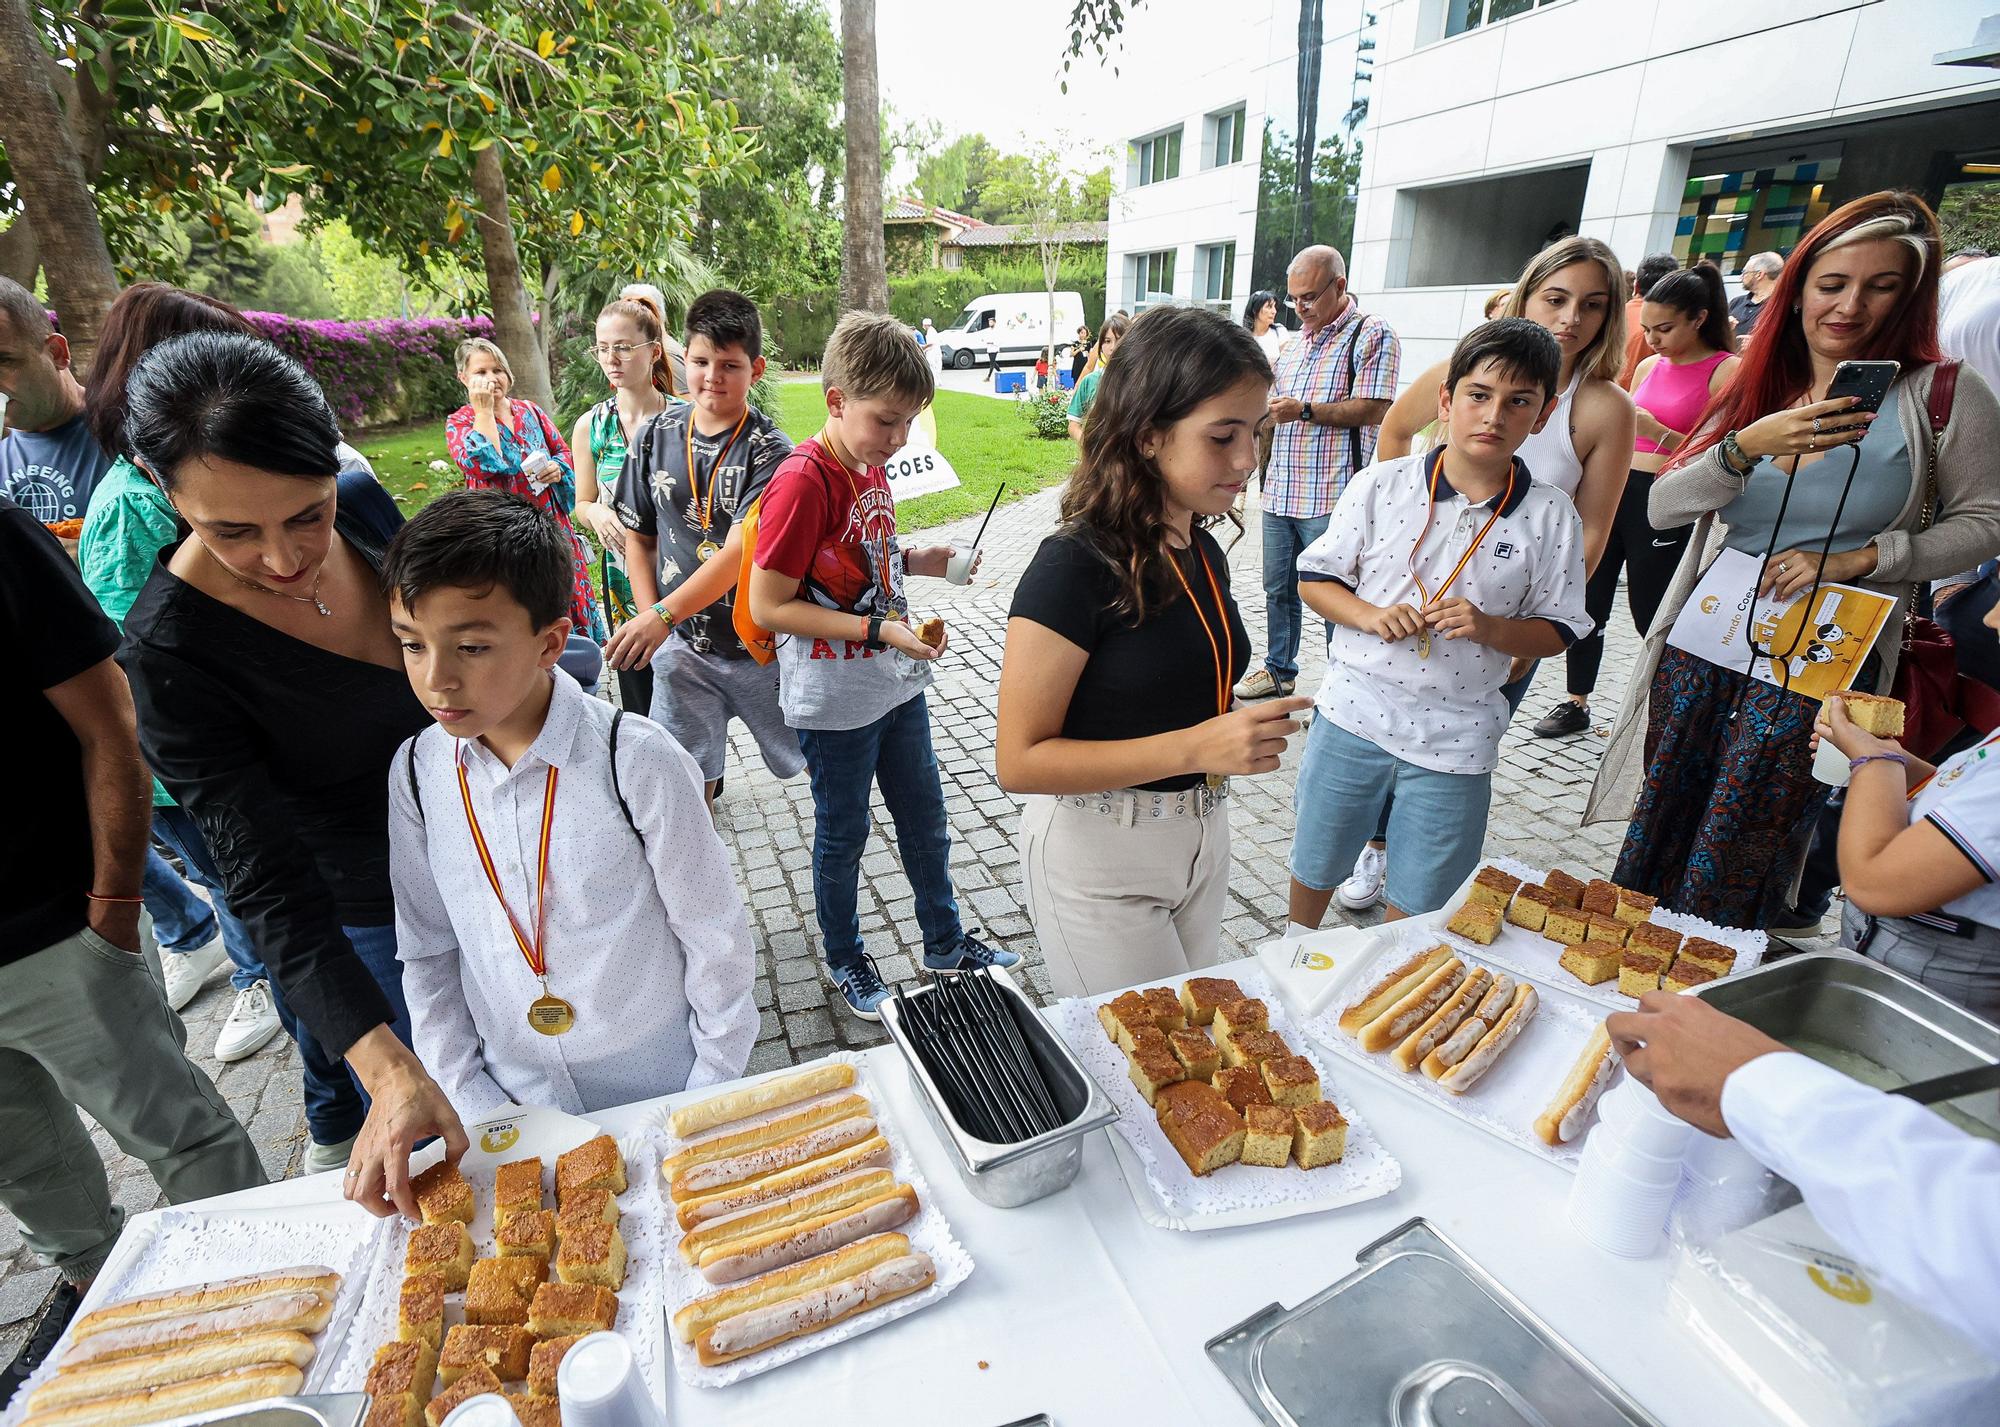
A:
<point x="570" y="931"/>
<point x="1437" y="571"/>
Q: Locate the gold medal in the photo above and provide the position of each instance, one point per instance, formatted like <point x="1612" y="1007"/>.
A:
<point x="550" y="1015"/>
<point x="1423" y="644"/>
<point x="707" y="551"/>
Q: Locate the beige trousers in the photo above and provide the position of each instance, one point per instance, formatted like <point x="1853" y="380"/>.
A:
<point x="1114" y="905"/>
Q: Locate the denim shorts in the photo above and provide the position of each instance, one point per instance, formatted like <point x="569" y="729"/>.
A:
<point x="1437" y="825"/>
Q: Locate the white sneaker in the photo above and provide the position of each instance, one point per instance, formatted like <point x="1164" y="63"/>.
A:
<point x="253" y="1020"/>
<point x="320" y="1158"/>
<point x="1364" y="888"/>
<point x="186" y="971"/>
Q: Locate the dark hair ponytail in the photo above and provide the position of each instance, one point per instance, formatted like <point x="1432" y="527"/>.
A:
<point x="1698" y="292"/>
<point x="1172" y="360"/>
<point x="231" y="396"/>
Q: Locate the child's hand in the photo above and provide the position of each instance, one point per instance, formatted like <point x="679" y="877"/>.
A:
<point x="636" y="641"/>
<point x="1459" y="618"/>
<point x="897" y="634"/>
<point x="1394" y="622"/>
<point x="928" y="560"/>
<point x="1835" y="726"/>
<point x="1247" y="740"/>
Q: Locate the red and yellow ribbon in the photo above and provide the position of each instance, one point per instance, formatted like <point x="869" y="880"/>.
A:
<point x="533" y="952"/>
<point x="1224" y="652"/>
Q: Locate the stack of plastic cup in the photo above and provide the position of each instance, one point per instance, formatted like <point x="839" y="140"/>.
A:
<point x="600" y="1385"/>
<point x="1722" y="1188"/>
<point x="1631" y="1167"/>
<point x="489" y="1409"/>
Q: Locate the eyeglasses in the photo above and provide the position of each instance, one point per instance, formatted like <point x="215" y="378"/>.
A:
<point x="1295" y="303"/>
<point x="618" y="349"/>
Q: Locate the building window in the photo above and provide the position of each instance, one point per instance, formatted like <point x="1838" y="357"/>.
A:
<point x="1224" y="138"/>
<point x="1483" y="231"/>
<point x="1215" y="275"/>
<point x="1157" y="159"/>
<point x="1730" y="215"/>
<point x="1149" y="280"/>
<point x="1463" y="15"/>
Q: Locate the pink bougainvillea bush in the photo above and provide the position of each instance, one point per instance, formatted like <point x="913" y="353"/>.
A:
<point x="380" y="369"/>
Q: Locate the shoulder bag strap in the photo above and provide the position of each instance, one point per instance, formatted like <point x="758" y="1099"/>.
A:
<point x="1944" y="386"/>
<point x="410" y="764"/>
<point x="617" y="791"/>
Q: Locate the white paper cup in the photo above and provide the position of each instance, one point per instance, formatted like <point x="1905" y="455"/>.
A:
<point x="1617" y="1211"/>
<point x="959" y="570"/>
<point x="489" y="1409"/>
<point x="1636" y="1118"/>
<point x="600" y="1386"/>
<point x="1830" y="765"/>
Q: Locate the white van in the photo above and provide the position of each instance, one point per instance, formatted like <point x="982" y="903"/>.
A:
<point x="1014" y="323"/>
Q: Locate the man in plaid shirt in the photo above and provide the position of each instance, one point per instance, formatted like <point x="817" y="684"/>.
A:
<point x="1334" y="387"/>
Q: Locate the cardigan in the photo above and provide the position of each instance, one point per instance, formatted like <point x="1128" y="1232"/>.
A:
<point x="1964" y="531"/>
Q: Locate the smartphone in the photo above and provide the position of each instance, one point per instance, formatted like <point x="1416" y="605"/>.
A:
<point x="1868" y="380"/>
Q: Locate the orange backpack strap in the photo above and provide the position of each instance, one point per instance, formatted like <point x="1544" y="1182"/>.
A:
<point x="758" y="642"/>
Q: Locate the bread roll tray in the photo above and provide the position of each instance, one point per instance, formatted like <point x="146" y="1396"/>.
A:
<point x="1419" y="1334"/>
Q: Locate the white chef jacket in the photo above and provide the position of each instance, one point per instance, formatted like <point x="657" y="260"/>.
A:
<point x="1905" y="1192"/>
<point x="651" y="946"/>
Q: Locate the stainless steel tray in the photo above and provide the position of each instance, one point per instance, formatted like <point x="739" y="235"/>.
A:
<point x="340" y="1409"/>
<point x="1007" y="1176"/>
<point x="1418" y="1335"/>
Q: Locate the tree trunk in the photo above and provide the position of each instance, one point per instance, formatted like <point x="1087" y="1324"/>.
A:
<point x="54" y="188"/>
<point x="513" y="321"/>
<point x="864" y="278"/>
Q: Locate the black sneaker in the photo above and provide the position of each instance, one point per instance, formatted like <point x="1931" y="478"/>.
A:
<point x="860" y="984"/>
<point x="57" y="1309"/>
<point x="969" y="955"/>
<point x="1567" y="719"/>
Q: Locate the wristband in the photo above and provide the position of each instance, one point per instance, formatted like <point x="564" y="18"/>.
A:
<point x="1737" y="459"/>
<point x="874" y="639"/>
<point x="665" y="618"/>
<point x="129" y="901"/>
<point x="1854" y="764"/>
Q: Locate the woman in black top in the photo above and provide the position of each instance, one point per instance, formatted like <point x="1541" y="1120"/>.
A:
<point x="1122" y="647"/>
<point x="271" y="698"/>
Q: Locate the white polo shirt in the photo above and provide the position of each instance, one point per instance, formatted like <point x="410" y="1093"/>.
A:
<point x="1963" y="803"/>
<point x="1444" y="711"/>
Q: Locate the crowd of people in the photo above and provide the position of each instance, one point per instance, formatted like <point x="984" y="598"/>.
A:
<point x="429" y="853"/>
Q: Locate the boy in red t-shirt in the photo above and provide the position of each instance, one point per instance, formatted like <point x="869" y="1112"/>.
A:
<point x="828" y="577"/>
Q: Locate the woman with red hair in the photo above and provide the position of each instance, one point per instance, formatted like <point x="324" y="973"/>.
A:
<point x="1715" y="766"/>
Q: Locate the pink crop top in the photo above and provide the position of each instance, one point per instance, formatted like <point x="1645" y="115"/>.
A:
<point x="1674" y="396"/>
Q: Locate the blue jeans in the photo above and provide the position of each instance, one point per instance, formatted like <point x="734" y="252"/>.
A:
<point x="335" y="1102"/>
<point x="1344" y="781"/>
<point x="1513" y="693"/>
<point x="894" y="752"/>
<point x="181" y="920"/>
<point x="1285" y="539"/>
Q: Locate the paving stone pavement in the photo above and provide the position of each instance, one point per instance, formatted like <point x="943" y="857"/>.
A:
<point x="1538" y="793"/>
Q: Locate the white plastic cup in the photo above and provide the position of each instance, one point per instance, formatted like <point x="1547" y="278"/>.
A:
<point x="1618" y="1211"/>
<point x="1722" y="1188"/>
<point x="1636" y="1117"/>
<point x="959" y="569"/>
<point x="600" y="1385"/>
<point x="1830" y="765"/>
<point x="489" y="1409"/>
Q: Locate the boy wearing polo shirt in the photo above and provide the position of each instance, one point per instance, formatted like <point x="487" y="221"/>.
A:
<point x="1436" y="572"/>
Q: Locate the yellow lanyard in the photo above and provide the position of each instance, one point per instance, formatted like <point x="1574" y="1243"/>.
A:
<point x="1424" y="596"/>
<point x="1223" y="652"/>
<point x="705" y="500"/>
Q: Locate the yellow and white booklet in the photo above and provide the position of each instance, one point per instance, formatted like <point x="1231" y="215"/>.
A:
<point x="1812" y="644"/>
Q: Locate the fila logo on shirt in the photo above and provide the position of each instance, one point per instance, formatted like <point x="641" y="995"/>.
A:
<point x="1504" y="550"/>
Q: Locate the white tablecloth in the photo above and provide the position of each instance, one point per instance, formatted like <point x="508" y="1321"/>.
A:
<point x="1081" y="1310"/>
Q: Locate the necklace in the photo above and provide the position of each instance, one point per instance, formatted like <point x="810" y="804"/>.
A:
<point x="312" y="599"/>
<point x="705" y="500"/>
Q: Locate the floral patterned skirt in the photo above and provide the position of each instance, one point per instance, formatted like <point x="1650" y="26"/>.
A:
<point x="1728" y="805"/>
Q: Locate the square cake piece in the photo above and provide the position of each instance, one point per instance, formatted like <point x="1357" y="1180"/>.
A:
<point x="500" y="1350"/>
<point x="1663" y="942"/>
<point x="443" y="1249"/>
<point x="1639" y="971"/>
<point x="1634" y="907"/>
<point x="1685" y="975"/>
<point x="420" y="1310"/>
<point x="1267" y="1137"/>
<point x="543" y="1362"/>
<point x="594" y="1164"/>
<point x="529" y="1233"/>
<point x="1292" y="1080"/>
<point x="1153" y="1068"/>
<point x="1196" y="1053"/>
<point x="1201" y="1127"/>
<point x="1601" y="898"/>
<point x="443" y="1196"/>
<point x="1319" y="1134"/>
<point x="1243" y="1086"/>
<point x="1608" y="931"/>
<point x="1874" y="713"/>
<point x="1591" y="962"/>
<point x="1475" y="921"/>
<point x="1121" y="1016"/>
<point x="403" y="1367"/>
<point x="498" y="1290"/>
<point x="517" y="1188"/>
<point x="1492" y="888"/>
<point x="1567" y="925"/>
<point x="1712" y="955"/>
<point x="1200" y="995"/>
<point x="568" y="1310"/>
<point x="585" y="1206"/>
<point x="532" y="1411"/>
<point x="1165" y="1004"/>
<point x="1530" y="907"/>
<point x="1235" y="1017"/>
<point x="1252" y="1047"/>
<point x="1567" y="889"/>
<point x="470" y="1383"/>
<point x="594" y="1253"/>
<point x="397" y="1409"/>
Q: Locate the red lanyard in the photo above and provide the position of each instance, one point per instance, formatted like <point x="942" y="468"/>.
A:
<point x="1223" y="652"/>
<point x="1430" y="508"/>
<point x="706" y="499"/>
<point x="534" y="952"/>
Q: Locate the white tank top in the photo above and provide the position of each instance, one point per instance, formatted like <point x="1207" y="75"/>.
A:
<point x="1550" y="454"/>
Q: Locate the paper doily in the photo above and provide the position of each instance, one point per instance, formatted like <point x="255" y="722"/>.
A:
<point x="928" y="1233"/>
<point x="1365" y="1171"/>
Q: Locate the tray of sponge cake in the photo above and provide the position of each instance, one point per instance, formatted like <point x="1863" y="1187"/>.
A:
<point x="1602" y="942"/>
<point x="1227" y="1116"/>
<point x="1511" y="1053"/>
<point x="207" y="1310"/>
<point x="798" y="1220"/>
<point x="545" y="1231"/>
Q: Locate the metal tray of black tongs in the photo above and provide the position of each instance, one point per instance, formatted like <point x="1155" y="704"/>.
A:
<point x="1418" y="1335"/>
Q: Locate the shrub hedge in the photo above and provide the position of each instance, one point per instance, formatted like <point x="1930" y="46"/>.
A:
<point x="382" y="369"/>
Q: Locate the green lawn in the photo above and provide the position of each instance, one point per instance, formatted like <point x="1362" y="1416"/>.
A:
<point x="987" y="442"/>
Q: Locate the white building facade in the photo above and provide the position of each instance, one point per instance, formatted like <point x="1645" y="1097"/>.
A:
<point x="1486" y="128"/>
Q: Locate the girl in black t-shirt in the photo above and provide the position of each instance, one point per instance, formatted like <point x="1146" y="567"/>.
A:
<point x="1122" y="647"/>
